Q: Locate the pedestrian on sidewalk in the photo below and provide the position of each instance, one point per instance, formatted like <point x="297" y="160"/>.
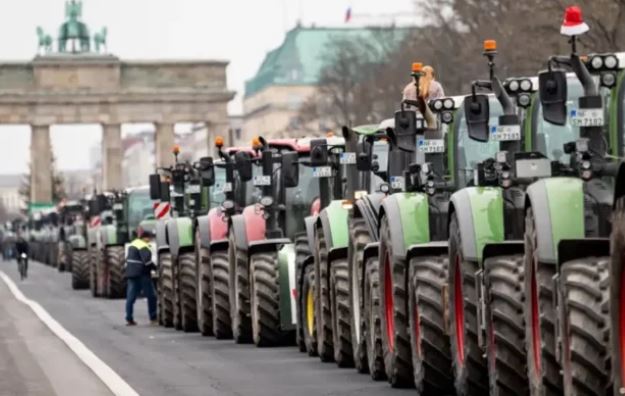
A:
<point x="138" y="269"/>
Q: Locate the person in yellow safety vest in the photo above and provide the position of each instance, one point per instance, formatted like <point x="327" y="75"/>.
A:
<point x="138" y="268"/>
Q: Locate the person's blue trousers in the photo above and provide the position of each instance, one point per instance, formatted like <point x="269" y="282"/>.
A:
<point x="135" y="285"/>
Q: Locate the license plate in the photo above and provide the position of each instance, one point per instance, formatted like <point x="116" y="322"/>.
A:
<point x="504" y="133"/>
<point x="322" y="171"/>
<point x="262" y="180"/>
<point x="193" y="189"/>
<point x="398" y="182"/>
<point x="347" y="158"/>
<point x="227" y="187"/>
<point x="118" y="206"/>
<point x="431" y="145"/>
<point x="587" y="117"/>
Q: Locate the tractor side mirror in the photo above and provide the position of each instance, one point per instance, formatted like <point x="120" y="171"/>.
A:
<point x="290" y="169"/>
<point x="477" y="113"/>
<point x="155" y="186"/>
<point x="164" y="195"/>
<point x="318" y="152"/>
<point x="553" y="93"/>
<point x="207" y="171"/>
<point x="243" y="165"/>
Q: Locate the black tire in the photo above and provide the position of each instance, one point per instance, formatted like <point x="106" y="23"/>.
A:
<point x="220" y="270"/>
<point x="429" y="341"/>
<point x="176" y="297"/>
<point x="302" y="251"/>
<point x="505" y="325"/>
<point x="323" y="307"/>
<point x="239" y="293"/>
<point x="359" y="237"/>
<point x="584" y="328"/>
<point x="372" y="332"/>
<point x="93" y="274"/>
<point x="617" y="296"/>
<point x="265" y="299"/>
<point x="308" y="309"/>
<point x="469" y="364"/>
<point x="188" y="292"/>
<point x="203" y="288"/>
<point x="166" y="289"/>
<point x="395" y="338"/>
<point x="540" y="317"/>
<point x="114" y="256"/>
<point x="341" y="313"/>
<point x="80" y="272"/>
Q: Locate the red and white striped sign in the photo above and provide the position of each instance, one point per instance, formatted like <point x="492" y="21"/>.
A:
<point x="161" y="210"/>
<point x="95" y="221"/>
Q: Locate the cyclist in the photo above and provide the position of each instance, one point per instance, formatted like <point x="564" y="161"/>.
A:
<point x="21" y="248"/>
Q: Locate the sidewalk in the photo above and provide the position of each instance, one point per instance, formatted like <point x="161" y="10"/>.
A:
<point x="33" y="361"/>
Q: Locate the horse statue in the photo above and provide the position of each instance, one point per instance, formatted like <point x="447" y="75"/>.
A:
<point x="99" y="40"/>
<point x="74" y="30"/>
<point x="45" y="40"/>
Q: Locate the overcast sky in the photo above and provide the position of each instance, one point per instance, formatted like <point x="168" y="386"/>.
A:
<point x="241" y="31"/>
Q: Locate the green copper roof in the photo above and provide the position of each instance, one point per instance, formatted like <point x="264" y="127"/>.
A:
<point x="298" y="61"/>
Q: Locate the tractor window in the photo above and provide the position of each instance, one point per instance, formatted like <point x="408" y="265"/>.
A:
<point x="217" y="190"/>
<point x="380" y="155"/>
<point x="139" y="207"/>
<point x="471" y="152"/>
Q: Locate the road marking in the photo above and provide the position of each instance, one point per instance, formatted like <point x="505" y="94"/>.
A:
<point x="110" y="378"/>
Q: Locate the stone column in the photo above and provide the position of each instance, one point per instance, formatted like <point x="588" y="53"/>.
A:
<point x="163" y="143"/>
<point x="112" y="157"/>
<point x="40" y="164"/>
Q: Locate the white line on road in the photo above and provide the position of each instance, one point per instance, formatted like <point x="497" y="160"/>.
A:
<point x="111" y="379"/>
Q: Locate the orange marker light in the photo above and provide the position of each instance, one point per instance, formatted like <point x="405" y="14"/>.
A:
<point x="219" y="141"/>
<point x="330" y="134"/>
<point x="176" y="149"/>
<point x="256" y="142"/>
<point x="490" y="45"/>
<point x="417" y="67"/>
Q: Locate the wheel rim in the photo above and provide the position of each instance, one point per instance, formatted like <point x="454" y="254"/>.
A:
<point x="622" y="319"/>
<point x="388" y="302"/>
<point x="459" y="311"/>
<point x="535" y="323"/>
<point x="310" y="312"/>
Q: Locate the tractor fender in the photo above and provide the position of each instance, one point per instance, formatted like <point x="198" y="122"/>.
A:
<point x="571" y="249"/>
<point x="504" y="248"/>
<point x="619" y="186"/>
<point x="161" y="236"/>
<point x="368" y="208"/>
<point x="408" y="218"/>
<point x="180" y="235"/>
<point x="439" y="248"/>
<point x="254" y="223"/>
<point x="309" y="223"/>
<point x="78" y="242"/>
<point x="333" y="221"/>
<point x="266" y="245"/>
<point x="108" y="234"/>
<point x="237" y="226"/>
<point x="337" y="253"/>
<point x="558" y="206"/>
<point x="287" y="273"/>
<point x="212" y="226"/>
<point x="480" y="215"/>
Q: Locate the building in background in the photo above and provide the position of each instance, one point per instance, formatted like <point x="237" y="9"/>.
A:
<point x="10" y="197"/>
<point x="138" y="159"/>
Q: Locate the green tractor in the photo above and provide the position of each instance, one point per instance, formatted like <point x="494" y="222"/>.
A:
<point x="73" y="243"/>
<point x="262" y="253"/>
<point x="176" y="239"/>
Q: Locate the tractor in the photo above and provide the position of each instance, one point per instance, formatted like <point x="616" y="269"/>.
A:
<point x="73" y="246"/>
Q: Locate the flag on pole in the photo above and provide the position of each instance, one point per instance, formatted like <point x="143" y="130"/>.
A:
<point x="348" y="14"/>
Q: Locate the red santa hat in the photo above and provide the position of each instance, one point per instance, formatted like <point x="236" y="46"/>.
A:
<point x="573" y="23"/>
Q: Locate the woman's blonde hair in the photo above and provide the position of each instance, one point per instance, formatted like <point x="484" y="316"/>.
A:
<point x="425" y="81"/>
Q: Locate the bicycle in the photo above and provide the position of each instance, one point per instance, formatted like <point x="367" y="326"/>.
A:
<point x="22" y="265"/>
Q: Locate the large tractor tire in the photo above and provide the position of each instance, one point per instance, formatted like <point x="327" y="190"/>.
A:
<point x="302" y="251"/>
<point x="323" y="306"/>
<point x="93" y="273"/>
<point x="239" y="293"/>
<point x="166" y="289"/>
<point x="307" y="307"/>
<point x="617" y="297"/>
<point x="265" y="299"/>
<point x="505" y="327"/>
<point x="540" y="318"/>
<point x="584" y="328"/>
<point x="176" y="295"/>
<point x="341" y="313"/>
<point x="372" y="318"/>
<point x="203" y="288"/>
<point x="431" y="355"/>
<point x="359" y="237"/>
<point x="188" y="293"/>
<point x="220" y="273"/>
<point x="395" y="338"/>
<point x="80" y="269"/>
<point x="469" y="365"/>
<point x="114" y="256"/>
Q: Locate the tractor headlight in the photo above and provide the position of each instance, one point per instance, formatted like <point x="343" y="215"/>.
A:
<point x="438" y="105"/>
<point x="384" y="187"/>
<point x="610" y="62"/>
<point x="596" y="62"/>
<point x="448" y="103"/>
<point x="608" y="79"/>
<point x="524" y="100"/>
<point x="266" y="201"/>
<point x="513" y="86"/>
<point x="526" y="85"/>
<point x="447" y="117"/>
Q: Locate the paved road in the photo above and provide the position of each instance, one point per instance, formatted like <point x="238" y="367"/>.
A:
<point x="158" y="361"/>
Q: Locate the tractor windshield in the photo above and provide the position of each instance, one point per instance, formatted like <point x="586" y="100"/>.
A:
<point x="139" y="207"/>
<point x="471" y="152"/>
<point x="217" y="190"/>
<point x="380" y="156"/>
